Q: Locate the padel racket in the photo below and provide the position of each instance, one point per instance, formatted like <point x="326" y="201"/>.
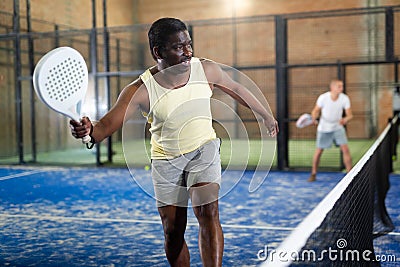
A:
<point x="304" y="120"/>
<point x="60" y="80"/>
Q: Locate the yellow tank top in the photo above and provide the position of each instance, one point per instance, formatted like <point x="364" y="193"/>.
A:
<point x="180" y="118"/>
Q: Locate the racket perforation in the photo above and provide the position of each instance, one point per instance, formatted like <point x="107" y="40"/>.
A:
<point x="65" y="79"/>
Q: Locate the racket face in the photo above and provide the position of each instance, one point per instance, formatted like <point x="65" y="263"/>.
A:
<point x="60" y="80"/>
<point x="304" y="121"/>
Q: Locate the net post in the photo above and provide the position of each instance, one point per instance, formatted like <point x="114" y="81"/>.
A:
<point x="31" y="59"/>
<point x="106" y="51"/>
<point x="389" y="34"/>
<point x="18" y="89"/>
<point x="282" y="90"/>
<point x="341" y="75"/>
<point x="93" y="64"/>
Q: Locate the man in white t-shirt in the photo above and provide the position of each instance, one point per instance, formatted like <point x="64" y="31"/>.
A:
<point x="329" y="109"/>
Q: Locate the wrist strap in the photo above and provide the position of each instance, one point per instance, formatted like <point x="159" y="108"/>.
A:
<point x="91" y="143"/>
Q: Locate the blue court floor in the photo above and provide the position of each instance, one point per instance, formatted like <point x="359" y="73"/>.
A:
<point x="100" y="216"/>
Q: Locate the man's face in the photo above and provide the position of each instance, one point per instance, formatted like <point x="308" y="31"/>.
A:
<point x="337" y="87"/>
<point x="178" y="50"/>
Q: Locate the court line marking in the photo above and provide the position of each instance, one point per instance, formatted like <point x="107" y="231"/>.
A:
<point x="120" y="220"/>
<point x="17" y="175"/>
<point x="71" y="218"/>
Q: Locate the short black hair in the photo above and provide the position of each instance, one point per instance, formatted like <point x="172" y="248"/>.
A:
<point x="160" y="31"/>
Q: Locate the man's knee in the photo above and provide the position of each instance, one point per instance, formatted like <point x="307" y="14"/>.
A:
<point x="318" y="152"/>
<point x="345" y="149"/>
<point x="207" y="213"/>
<point x="174" y="221"/>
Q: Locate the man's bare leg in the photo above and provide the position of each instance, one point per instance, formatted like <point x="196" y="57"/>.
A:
<point x="346" y="157"/>
<point x="211" y="240"/>
<point x="174" y="221"/>
<point x="315" y="164"/>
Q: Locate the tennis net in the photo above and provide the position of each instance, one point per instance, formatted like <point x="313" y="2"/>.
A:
<point x="341" y="228"/>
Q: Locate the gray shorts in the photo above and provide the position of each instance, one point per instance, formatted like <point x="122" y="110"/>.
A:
<point x="325" y="140"/>
<point x="172" y="178"/>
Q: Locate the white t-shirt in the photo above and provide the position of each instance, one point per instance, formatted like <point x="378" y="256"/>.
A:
<point x="331" y="111"/>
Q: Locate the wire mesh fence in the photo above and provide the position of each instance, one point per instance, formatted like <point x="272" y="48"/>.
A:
<point x="360" y="46"/>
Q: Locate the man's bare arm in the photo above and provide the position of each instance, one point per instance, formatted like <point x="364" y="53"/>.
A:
<point x="223" y="81"/>
<point x="132" y="97"/>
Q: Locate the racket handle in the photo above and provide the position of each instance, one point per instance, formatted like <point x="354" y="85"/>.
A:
<point x="86" y="139"/>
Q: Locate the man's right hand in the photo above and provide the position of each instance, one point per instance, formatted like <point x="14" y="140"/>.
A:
<point x="82" y="128"/>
